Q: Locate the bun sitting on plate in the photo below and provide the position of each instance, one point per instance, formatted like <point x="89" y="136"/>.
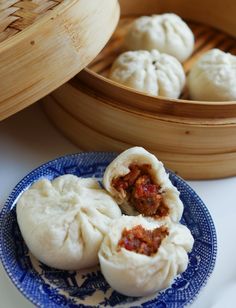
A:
<point x="140" y="257"/>
<point x="139" y="183"/>
<point x="63" y="221"/>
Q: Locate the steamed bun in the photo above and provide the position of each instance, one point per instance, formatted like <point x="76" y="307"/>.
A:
<point x="149" y="72"/>
<point x="131" y="269"/>
<point x="63" y="221"/>
<point x="138" y="182"/>
<point x="213" y="77"/>
<point x="167" y="33"/>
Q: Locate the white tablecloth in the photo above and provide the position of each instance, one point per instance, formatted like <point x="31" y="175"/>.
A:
<point x="27" y="140"/>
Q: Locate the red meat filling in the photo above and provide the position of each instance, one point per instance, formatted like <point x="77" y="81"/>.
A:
<point x="141" y="191"/>
<point x="139" y="240"/>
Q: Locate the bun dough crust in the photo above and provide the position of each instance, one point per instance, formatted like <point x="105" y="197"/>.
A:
<point x="63" y="221"/>
<point x="167" y="33"/>
<point x="135" y="274"/>
<point x="149" y="72"/>
<point x="213" y="77"/>
<point x="138" y="155"/>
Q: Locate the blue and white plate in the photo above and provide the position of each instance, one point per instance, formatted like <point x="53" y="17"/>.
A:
<point x="48" y="287"/>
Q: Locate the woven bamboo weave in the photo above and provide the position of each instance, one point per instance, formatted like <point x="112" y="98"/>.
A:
<point x="44" y="43"/>
<point x="16" y="15"/>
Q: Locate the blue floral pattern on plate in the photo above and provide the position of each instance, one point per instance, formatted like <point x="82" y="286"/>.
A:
<point x="48" y="287"/>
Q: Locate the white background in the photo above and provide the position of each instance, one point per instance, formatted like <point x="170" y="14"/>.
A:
<point x="27" y="140"/>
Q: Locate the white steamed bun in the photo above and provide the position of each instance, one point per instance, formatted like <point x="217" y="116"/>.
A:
<point x="149" y="72"/>
<point x="167" y="33"/>
<point x="135" y="274"/>
<point x="63" y="221"/>
<point x="121" y="166"/>
<point x="213" y="77"/>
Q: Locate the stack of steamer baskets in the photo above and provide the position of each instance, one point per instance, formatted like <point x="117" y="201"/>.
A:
<point x="193" y="138"/>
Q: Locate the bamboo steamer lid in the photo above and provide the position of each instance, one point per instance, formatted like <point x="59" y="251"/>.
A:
<point x="44" y="43"/>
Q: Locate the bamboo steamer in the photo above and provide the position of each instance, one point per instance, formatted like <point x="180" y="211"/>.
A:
<point x="195" y="139"/>
<point x="44" y="43"/>
<point x="173" y="135"/>
<point x="90" y="139"/>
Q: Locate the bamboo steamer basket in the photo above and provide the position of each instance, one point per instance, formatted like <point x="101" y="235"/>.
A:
<point x="90" y="139"/>
<point x="44" y="43"/>
<point x="195" y="139"/>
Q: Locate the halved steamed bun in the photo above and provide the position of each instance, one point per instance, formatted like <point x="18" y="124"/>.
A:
<point x="139" y="257"/>
<point x="139" y="183"/>
<point x="149" y="72"/>
<point x="167" y="33"/>
<point x="63" y="221"/>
